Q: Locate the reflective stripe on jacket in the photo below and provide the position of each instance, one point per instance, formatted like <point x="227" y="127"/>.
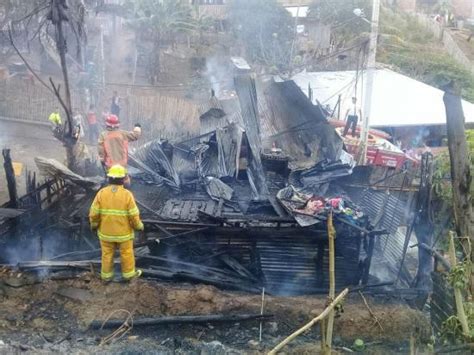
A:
<point x="113" y="146"/>
<point x="115" y="214"/>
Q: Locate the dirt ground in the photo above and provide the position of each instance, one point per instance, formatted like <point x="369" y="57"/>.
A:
<point x="26" y="141"/>
<point x="40" y="317"/>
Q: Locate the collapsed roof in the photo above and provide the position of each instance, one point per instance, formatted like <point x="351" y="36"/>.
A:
<point x="256" y="185"/>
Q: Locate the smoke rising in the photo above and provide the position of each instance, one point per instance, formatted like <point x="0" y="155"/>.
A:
<point x="219" y="75"/>
<point x="35" y="247"/>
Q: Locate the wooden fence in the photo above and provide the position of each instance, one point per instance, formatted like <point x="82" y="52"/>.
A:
<point x="160" y="115"/>
<point x="442" y="301"/>
<point x="28" y="101"/>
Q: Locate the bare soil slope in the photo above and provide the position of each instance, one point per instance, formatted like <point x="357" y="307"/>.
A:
<point x="56" y="314"/>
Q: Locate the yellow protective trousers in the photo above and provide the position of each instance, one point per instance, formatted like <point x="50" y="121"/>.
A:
<point x="127" y="259"/>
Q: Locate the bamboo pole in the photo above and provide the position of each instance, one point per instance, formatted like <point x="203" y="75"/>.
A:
<point x="323" y="315"/>
<point x="457" y="292"/>
<point x="323" y="329"/>
<point x="332" y="281"/>
<point x="261" y="312"/>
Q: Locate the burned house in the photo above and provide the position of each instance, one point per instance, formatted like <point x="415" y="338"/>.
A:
<point x="243" y="205"/>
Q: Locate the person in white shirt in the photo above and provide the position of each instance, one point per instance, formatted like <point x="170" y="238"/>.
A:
<point x="352" y="118"/>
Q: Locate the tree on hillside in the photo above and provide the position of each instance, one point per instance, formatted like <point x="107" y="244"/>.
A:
<point x="266" y="31"/>
<point x="63" y="16"/>
<point x="402" y="40"/>
<point x="159" y="21"/>
<point x="339" y="14"/>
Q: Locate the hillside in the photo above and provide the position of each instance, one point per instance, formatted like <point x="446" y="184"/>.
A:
<point x="409" y="48"/>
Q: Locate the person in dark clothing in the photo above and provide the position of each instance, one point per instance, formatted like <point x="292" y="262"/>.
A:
<point x="352" y="118"/>
<point x="115" y="105"/>
<point x="93" y="127"/>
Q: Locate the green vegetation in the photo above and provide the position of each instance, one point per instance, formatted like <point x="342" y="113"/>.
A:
<point x="266" y="30"/>
<point x="412" y="50"/>
<point x="340" y="16"/>
<point x="443" y="192"/>
<point x="451" y="331"/>
<point x="159" y="21"/>
<point x="442" y="172"/>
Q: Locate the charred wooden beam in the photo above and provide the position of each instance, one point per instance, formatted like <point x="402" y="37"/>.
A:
<point x="187" y="233"/>
<point x="178" y="224"/>
<point x="436" y="255"/>
<point x="215" y="279"/>
<point x="159" y="226"/>
<point x="11" y="180"/>
<point x="189" y="266"/>
<point x="211" y="318"/>
<point x="237" y="267"/>
<point x="95" y="252"/>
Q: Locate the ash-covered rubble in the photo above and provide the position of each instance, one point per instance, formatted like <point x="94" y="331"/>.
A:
<point x="242" y="206"/>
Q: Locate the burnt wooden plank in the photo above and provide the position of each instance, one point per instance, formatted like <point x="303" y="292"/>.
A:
<point x="10" y="212"/>
<point x="166" y="211"/>
<point x="209" y="207"/>
<point x="176" y="209"/>
<point x="186" y="210"/>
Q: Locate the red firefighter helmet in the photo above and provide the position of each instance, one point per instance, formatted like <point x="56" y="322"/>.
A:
<point x="112" y="121"/>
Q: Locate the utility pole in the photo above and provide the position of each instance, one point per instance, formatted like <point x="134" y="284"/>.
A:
<point x="369" y="85"/>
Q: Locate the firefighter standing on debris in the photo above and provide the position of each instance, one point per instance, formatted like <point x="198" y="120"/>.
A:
<point x="115" y="216"/>
<point x="113" y="143"/>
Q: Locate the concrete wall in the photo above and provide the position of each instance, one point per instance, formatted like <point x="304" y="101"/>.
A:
<point x="448" y="42"/>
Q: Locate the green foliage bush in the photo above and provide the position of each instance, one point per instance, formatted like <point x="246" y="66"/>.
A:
<point x="442" y="171"/>
<point x="265" y="29"/>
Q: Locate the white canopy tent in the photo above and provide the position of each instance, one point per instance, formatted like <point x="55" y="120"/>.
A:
<point x="397" y="99"/>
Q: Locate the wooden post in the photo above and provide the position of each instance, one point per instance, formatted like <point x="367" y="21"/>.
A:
<point x="460" y="172"/>
<point x="11" y="181"/>
<point x="332" y="281"/>
<point x="370" y="253"/>
<point x="323" y="327"/>
<point x="424" y="228"/>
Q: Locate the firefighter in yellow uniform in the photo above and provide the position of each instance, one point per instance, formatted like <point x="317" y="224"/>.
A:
<point x="116" y="217"/>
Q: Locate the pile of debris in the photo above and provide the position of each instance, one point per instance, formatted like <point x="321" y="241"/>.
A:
<point x="242" y="206"/>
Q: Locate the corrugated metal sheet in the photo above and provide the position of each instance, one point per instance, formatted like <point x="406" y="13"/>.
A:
<point x="301" y="128"/>
<point x="217" y="113"/>
<point x="289" y="262"/>
<point x="387" y="211"/>
<point x="212" y="103"/>
<point x="288" y="255"/>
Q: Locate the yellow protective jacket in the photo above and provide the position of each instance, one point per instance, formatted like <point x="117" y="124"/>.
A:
<point x="55" y="118"/>
<point x="115" y="214"/>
